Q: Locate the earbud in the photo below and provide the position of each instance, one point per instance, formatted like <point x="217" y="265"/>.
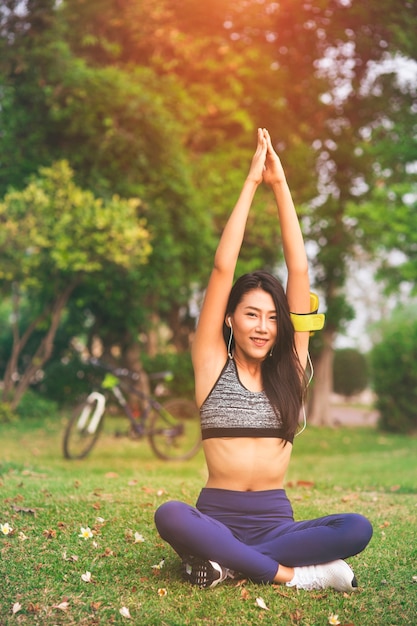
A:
<point x="229" y="319"/>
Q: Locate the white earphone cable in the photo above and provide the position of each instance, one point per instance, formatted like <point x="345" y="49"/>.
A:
<point x="303" y="408"/>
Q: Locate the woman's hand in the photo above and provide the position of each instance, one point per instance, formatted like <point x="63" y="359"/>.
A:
<point x="273" y="172"/>
<point x="257" y="167"/>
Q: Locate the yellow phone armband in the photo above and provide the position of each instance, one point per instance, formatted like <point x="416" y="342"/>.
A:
<point x="309" y="322"/>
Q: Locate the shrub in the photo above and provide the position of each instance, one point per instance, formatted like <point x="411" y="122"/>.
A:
<point x="35" y="406"/>
<point x="394" y="373"/>
<point x="66" y="381"/>
<point x="6" y="413"/>
<point x="350" y="372"/>
<point x="182" y="383"/>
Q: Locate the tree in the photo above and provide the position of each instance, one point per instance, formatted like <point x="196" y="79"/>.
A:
<point x="121" y="131"/>
<point x="394" y="372"/>
<point x="54" y="237"/>
<point x="27" y="28"/>
<point x="350" y="372"/>
<point x="314" y="73"/>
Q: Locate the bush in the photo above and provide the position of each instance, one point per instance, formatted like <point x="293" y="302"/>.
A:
<point x="6" y="414"/>
<point x="34" y="406"/>
<point x="182" y="384"/>
<point x="66" y="381"/>
<point x="394" y="373"/>
<point x="31" y="406"/>
<point x="350" y="372"/>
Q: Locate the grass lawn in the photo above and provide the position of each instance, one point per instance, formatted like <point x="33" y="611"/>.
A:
<point x="44" y="563"/>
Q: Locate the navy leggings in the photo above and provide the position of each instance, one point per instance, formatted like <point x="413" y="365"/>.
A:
<point x="253" y="532"/>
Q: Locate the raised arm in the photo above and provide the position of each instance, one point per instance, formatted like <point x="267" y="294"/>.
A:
<point x="298" y="285"/>
<point x="209" y="351"/>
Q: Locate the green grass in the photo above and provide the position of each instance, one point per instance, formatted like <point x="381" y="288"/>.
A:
<point x="46" y="500"/>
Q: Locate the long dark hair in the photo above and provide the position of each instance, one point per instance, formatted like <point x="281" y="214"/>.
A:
<point x="282" y="373"/>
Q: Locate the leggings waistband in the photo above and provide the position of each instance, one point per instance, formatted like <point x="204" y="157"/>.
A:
<point x="244" y="502"/>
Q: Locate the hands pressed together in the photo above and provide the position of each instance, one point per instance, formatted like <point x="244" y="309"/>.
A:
<point x="266" y="165"/>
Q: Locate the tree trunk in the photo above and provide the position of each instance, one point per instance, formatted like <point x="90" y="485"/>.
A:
<point x="319" y="406"/>
<point x="18" y="345"/>
<point x="45" y="347"/>
<point x="181" y="328"/>
<point x="152" y="343"/>
<point x="131" y="359"/>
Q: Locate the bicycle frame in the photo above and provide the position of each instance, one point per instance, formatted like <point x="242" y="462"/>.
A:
<point x="148" y="403"/>
<point x="98" y="412"/>
<point x="171" y="427"/>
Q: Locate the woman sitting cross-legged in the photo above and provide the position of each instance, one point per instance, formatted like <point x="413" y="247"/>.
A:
<point x="249" y="358"/>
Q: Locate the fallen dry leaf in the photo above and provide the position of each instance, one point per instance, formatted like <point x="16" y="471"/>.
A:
<point x="124" y="612"/>
<point x="107" y="552"/>
<point x="349" y="497"/>
<point x="33" y="608"/>
<point x="297" y="616"/>
<point x="16" y="607"/>
<point x="260" y="602"/>
<point x="62" y="606"/>
<point x="22" y="509"/>
<point x="33" y="474"/>
<point x="278" y="590"/>
<point x="86" y="577"/>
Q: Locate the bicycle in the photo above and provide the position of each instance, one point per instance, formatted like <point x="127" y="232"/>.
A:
<point x="172" y="428"/>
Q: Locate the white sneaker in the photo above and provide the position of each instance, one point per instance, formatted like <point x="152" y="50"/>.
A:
<point x="336" y="574"/>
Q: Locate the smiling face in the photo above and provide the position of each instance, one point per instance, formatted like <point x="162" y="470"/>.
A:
<point x="254" y="324"/>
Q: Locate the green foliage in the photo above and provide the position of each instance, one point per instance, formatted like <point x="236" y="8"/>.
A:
<point x="182" y="383"/>
<point x="55" y="236"/>
<point x="389" y="222"/>
<point x="350" y="372"/>
<point x="34" y="406"/>
<point x="52" y="228"/>
<point x="7" y="415"/>
<point x="394" y="373"/>
<point x="67" y="379"/>
<point x="161" y="100"/>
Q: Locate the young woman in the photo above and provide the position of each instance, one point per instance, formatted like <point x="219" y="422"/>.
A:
<point x="249" y="364"/>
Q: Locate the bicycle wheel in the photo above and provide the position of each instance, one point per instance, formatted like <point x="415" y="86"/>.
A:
<point x="84" y="427"/>
<point x="174" y="433"/>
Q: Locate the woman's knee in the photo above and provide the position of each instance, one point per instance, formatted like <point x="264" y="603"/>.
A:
<point x="366" y="530"/>
<point x="360" y="530"/>
<point x="169" y="517"/>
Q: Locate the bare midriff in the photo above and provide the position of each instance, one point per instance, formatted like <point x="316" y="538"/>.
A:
<point x="246" y="463"/>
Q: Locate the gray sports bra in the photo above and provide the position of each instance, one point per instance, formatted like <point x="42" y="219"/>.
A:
<point x="231" y="410"/>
